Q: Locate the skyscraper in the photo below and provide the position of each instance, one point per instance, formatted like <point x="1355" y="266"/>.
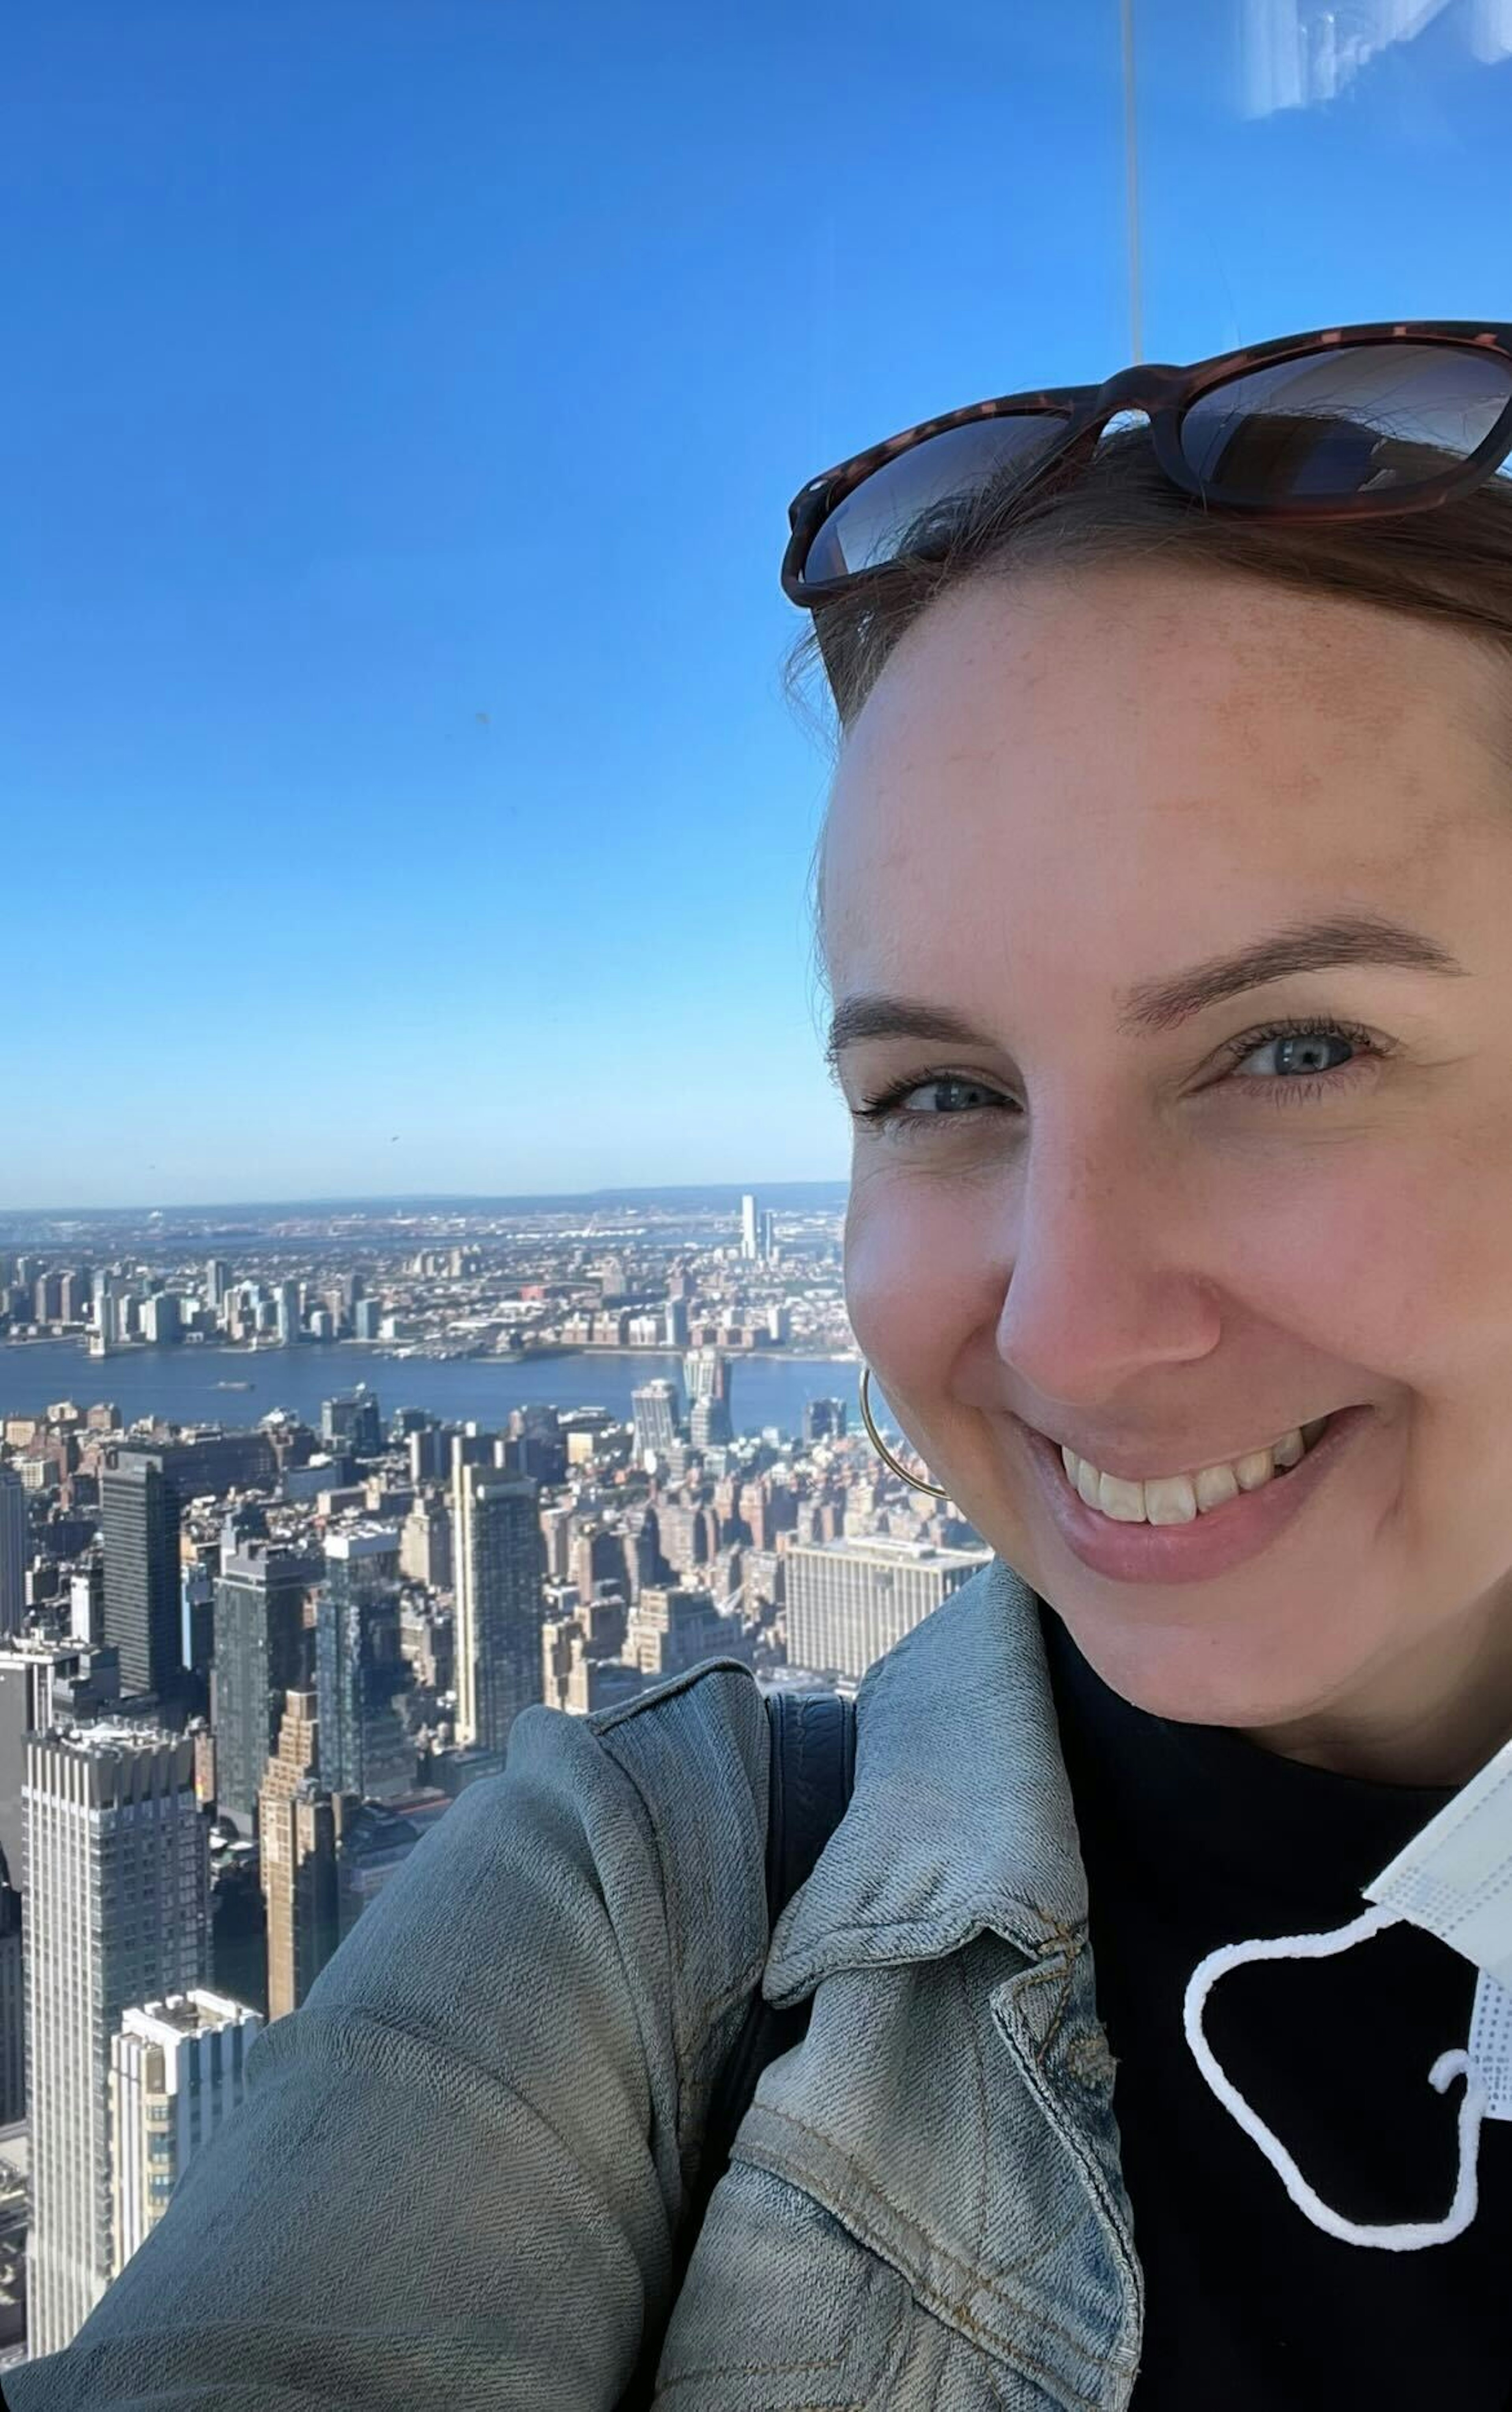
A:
<point x="139" y="1516"/>
<point x="160" y="1318"/>
<point x="176" y="2071"/>
<point x="706" y="1372"/>
<point x="117" y="1913"/>
<point x="287" y="1307"/>
<point x="13" y="1551"/>
<point x="217" y="1282"/>
<point x="749" y="1242"/>
<point x="12" y="2008"/>
<point x="653" y="1407"/>
<point x="299" y="1825"/>
<point x="499" y="1566"/>
<point x="352" y="1420"/>
<point x="261" y="1651"/>
<point x="359" y="1670"/>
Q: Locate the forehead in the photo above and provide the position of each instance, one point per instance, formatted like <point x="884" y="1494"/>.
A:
<point x="1128" y="767"/>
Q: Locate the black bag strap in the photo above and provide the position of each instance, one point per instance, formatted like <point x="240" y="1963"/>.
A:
<point x="812" y="1744"/>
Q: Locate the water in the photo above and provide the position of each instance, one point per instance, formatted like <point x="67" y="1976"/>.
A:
<point x="180" y="1384"/>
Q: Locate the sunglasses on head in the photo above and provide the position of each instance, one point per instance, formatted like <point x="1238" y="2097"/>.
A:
<point x="1347" y="423"/>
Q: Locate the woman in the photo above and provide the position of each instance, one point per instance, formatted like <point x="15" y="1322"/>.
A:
<point x="1165" y="891"/>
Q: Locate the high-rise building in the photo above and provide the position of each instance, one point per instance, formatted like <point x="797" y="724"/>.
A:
<point x="823" y="1419"/>
<point x="769" y="1236"/>
<point x="367" y="1318"/>
<point x="217" y="1282"/>
<point x="12" y="2008"/>
<point x="176" y="2072"/>
<point x="299" y="1825"/>
<point x="849" y="1601"/>
<point x="43" y="1683"/>
<point x="105" y="1302"/>
<point x="429" y="1454"/>
<point x="749" y="1242"/>
<point x="139" y="1516"/>
<point x="261" y="1652"/>
<point x="709" y="1424"/>
<point x="161" y="1319"/>
<point x="117" y="1890"/>
<point x="499" y="1570"/>
<point x="653" y="1407"/>
<point x="287" y="1311"/>
<point x="352" y="1422"/>
<point x="706" y="1373"/>
<point x="360" y="1672"/>
<point x="14" y="1552"/>
<point x="425" y="1543"/>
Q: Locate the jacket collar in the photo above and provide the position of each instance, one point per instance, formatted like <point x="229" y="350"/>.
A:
<point x="960" y="1819"/>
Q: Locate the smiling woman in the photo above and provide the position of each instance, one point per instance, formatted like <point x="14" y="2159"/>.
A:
<point x="1164" y="891"/>
<point x="1148" y="819"/>
<point x="1137" y="774"/>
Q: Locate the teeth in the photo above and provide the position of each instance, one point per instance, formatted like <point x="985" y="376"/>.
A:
<point x="1179" y="1498"/>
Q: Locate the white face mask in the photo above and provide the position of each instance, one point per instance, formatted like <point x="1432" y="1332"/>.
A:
<point x="1454" y="1879"/>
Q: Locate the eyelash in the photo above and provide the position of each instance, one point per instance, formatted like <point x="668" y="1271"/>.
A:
<point x="886" y="1110"/>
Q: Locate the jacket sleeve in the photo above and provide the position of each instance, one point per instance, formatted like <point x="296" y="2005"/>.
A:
<point x="456" y="2173"/>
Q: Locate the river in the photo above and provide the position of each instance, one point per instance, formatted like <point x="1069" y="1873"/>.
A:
<point x="182" y="1384"/>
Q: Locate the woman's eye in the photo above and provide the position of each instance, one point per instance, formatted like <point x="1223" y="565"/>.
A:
<point x="1300" y="1054"/>
<point x="950" y="1098"/>
<point x="964" y="1095"/>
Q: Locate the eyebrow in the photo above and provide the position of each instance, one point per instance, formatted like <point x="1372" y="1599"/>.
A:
<point x="1344" y="939"/>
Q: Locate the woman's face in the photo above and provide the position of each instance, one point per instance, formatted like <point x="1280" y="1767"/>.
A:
<point x="1163" y="1238"/>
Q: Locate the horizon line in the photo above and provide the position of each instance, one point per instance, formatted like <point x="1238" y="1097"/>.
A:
<point x="437" y="1198"/>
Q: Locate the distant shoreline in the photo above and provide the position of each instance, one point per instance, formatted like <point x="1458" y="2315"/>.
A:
<point x="134" y="1349"/>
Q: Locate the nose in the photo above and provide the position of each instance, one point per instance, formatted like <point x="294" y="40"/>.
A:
<point x="1101" y="1287"/>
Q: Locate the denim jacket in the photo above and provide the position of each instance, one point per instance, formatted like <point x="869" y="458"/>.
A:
<point x="455" y="2179"/>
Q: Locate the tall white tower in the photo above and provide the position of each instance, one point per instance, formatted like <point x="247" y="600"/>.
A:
<point x="117" y="1884"/>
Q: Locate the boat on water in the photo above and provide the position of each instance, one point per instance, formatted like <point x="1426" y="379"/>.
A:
<point x="233" y="1385"/>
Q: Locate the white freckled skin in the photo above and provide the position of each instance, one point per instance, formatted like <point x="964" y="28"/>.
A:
<point x="1060" y="790"/>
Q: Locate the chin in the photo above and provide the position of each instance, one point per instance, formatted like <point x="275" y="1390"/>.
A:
<point x="1244" y="1677"/>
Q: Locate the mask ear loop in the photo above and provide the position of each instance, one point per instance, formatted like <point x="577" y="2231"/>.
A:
<point x="1405" y="2236"/>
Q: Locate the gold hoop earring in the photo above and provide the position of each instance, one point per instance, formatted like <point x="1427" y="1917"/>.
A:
<point x="936" y="1490"/>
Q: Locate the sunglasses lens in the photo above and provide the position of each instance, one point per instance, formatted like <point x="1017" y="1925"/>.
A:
<point x="912" y="504"/>
<point x="1356" y="418"/>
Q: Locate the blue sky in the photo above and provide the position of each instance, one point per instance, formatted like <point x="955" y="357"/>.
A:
<point x="402" y="400"/>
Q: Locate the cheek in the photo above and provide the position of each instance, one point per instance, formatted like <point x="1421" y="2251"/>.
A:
<point x="924" y="1271"/>
<point x="1407" y="1271"/>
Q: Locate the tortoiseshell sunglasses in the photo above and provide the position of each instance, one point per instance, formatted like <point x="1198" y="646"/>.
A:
<point x="1346" y="423"/>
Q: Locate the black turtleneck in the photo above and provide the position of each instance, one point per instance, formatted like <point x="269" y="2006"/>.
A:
<point x="1195" y="1837"/>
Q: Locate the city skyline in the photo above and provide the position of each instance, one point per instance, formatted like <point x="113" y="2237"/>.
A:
<point x="627" y="1194"/>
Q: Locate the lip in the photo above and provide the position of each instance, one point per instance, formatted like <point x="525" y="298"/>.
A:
<point x="1212" y="1543"/>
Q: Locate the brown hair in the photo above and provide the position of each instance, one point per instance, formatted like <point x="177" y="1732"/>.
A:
<point x="1452" y="564"/>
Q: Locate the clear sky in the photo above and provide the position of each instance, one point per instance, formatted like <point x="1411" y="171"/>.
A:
<point x="401" y="403"/>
